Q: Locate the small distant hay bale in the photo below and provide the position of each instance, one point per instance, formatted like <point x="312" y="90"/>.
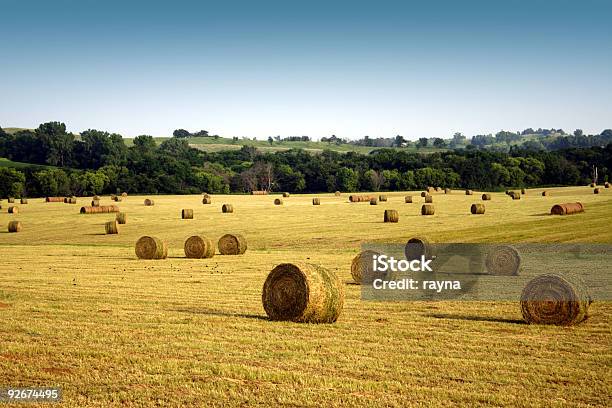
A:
<point x="503" y="260"/>
<point x="430" y="190"/>
<point x="429" y="198"/>
<point x="567" y="209"/>
<point x="416" y="247"/>
<point x="423" y="193"/>
<point x="124" y="194"/>
<point x="607" y="185"/>
<point x="278" y="201"/>
<point x="14" y="226"/>
<point x="373" y="201"/>
<point x="592" y="185"/>
<point x="121" y="218"/>
<point x="360" y="198"/>
<point x="447" y="191"/>
<point x="555" y="299"/>
<point x="285" y="194"/>
<point x="11" y="200"/>
<point x="232" y="244"/>
<point x="438" y="189"/>
<point x="469" y="192"/>
<point x="113" y="196"/>
<point x="362" y="267"/>
<point x="259" y="192"/>
<point x="337" y="194"/>
<point x="303" y="293"/>
<point x="523" y="191"/>
<point x="48" y="200"/>
<point x="427" y="209"/>
<point x="597" y="190"/>
<point x="95" y="203"/>
<point x="187" y="214"/>
<point x="199" y="247"/>
<point x="13" y="210"/>
<point x="382" y="197"/>
<point x="151" y="248"/>
<point x="227" y="208"/>
<point x="96" y="197"/>
<point x="515" y="195"/>
<point x="206" y="200"/>
<point x="545" y="193"/>
<point x="111" y="227"/>
<point x="477" y="209"/>
<point x="486" y="197"/>
<point x="408" y="199"/>
<point x="117" y="198"/>
<point x="148" y="202"/>
<point x="391" y="216"/>
<point x="316" y="201"/>
<point x="24" y="201"/>
<point x="102" y="209"/>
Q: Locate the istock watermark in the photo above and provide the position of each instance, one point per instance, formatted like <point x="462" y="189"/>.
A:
<point x="457" y="271"/>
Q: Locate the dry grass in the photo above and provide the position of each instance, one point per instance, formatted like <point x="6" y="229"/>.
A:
<point x="78" y="310"/>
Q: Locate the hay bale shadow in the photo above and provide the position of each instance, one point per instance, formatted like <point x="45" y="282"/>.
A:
<point x="474" y="318"/>
<point x="195" y="310"/>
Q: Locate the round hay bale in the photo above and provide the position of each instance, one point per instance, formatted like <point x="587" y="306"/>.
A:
<point x="429" y="190"/>
<point x="232" y="244"/>
<point x="111" y="227"/>
<point x="429" y="198"/>
<point x="362" y="267"/>
<point x="486" y="197"/>
<point x="545" y="193"/>
<point x="438" y="189"/>
<point x="97" y="198"/>
<point x="303" y="293"/>
<point x="14" y="226"/>
<point x="207" y="200"/>
<point x="24" y="201"/>
<point x="408" y="199"/>
<point x="391" y="216"/>
<point x="515" y="195"/>
<point x="523" y="191"/>
<point x="469" y="192"/>
<point x="427" y="209"/>
<point x="447" y="191"/>
<point x="11" y="200"/>
<point x="477" y="209"/>
<point x="278" y="201"/>
<point x="117" y="198"/>
<point x="151" y="248"/>
<point x="607" y="185"/>
<point x="423" y="193"/>
<point x="567" y="209"/>
<point x="13" y="210"/>
<point x="187" y="214"/>
<point x="503" y="260"/>
<point x="285" y="194"/>
<point x="121" y="218"/>
<point x="416" y="247"/>
<point x="95" y="203"/>
<point x="597" y="190"/>
<point x="592" y="185"/>
<point x="373" y="201"/>
<point x="124" y="194"/>
<point x="316" y="201"/>
<point x="382" y="198"/>
<point x="337" y="194"/>
<point x="199" y="247"/>
<point x="561" y="300"/>
<point x="148" y="202"/>
<point x="227" y="208"/>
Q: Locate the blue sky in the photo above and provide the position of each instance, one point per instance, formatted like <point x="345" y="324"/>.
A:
<point x="350" y="68"/>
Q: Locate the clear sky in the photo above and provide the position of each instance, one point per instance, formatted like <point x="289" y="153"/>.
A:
<point x="351" y="68"/>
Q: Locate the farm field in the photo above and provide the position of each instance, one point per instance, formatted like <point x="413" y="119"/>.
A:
<point x="78" y="310"/>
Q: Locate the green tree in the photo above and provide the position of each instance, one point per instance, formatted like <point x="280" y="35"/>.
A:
<point x="346" y="180"/>
<point x="12" y="182"/>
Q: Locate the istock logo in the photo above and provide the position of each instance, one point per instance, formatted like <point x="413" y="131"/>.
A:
<point x="384" y="263"/>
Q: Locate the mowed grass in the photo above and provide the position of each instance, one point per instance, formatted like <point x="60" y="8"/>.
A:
<point x="79" y="311"/>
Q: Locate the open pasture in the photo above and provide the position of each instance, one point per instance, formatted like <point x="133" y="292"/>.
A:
<point x="78" y="309"/>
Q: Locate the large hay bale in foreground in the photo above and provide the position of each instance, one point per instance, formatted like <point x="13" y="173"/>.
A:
<point x="469" y="192"/>
<point x="103" y="209"/>
<point x="13" y="210"/>
<point x="151" y="248"/>
<point x="427" y="209"/>
<point x="227" y="208"/>
<point x="556" y="299"/>
<point x="14" y="226"/>
<point x="198" y="247"/>
<point x="303" y="293"/>
<point x="362" y="267"/>
<point x="429" y="198"/>
<point x="567" y="209"/>
<point x="50" y="200"/>
<point x="206" y="200"/>
<point x="121" y="218"/>
<point x="503" y="260"/>
<point x="316" y="201"/>
<point x="148" y="202"/>
<point x="391" y="216"/>
<point x="24" y="201"/>
<point x="278" y="201"/>
<point x="232" y="244"/>
<point x="597" y="190"/>
<point x="408" y="199"/>
<point x="382" y="197"/>
<point x="111" y="227"/>
<point x="486" y="197"/>
<point x="285" y="194"/>
<point x="187" y="214"/>
<point x="477" y="209"/>
<point x="373" y="201"/>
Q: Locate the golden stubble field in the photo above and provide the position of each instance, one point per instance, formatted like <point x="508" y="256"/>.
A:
<point x="79" y="311"/>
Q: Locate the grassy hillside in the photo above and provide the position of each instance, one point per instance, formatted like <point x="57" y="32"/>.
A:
<point x="18" y="165"/>
<point x="79" y="311"/>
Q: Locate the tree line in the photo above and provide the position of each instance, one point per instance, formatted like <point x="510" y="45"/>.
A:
<point x="97" y="162"/>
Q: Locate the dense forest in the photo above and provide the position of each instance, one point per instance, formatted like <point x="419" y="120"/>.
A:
<point x="60" y="163"/>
